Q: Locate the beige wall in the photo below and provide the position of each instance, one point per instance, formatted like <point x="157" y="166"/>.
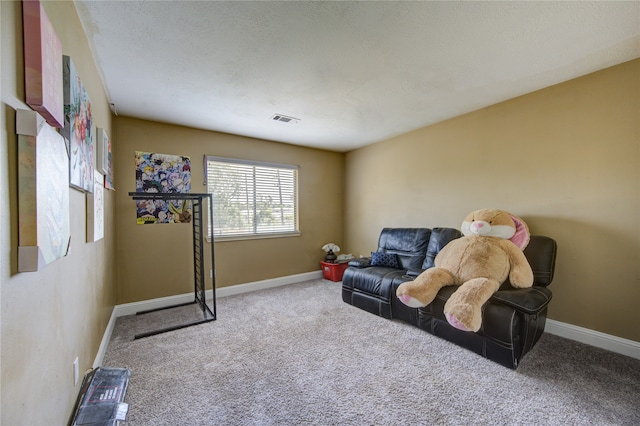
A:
<point x="156" y="260"/>
<point x="51" y="316"/>
<point x="566" y="159"/>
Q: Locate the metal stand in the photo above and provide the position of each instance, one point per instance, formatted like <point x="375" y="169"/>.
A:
<point x="198" y="258"/>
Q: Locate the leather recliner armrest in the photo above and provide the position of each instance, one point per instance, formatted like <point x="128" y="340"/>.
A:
<point x="527" y="300"/>
<point x="363" y="262"/>
<point x="414" y="272"/>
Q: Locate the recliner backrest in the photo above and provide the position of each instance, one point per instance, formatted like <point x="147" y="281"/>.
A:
<point x="541" y="254"/>
<point x="439" y="238"/>
<point x="410" y="244"/>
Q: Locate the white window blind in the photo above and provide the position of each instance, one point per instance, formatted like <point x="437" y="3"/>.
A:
<point x="251" y="198"/>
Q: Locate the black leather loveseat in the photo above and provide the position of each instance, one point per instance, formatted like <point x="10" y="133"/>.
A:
<point x="512" y="320"/>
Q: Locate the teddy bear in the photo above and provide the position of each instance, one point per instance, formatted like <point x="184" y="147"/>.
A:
<point x="490" y="250"/>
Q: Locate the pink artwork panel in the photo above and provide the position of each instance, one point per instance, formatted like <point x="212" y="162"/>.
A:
<point x="42" y="64"/>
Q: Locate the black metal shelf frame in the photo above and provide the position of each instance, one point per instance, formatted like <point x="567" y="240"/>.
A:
<point x="198" y="257"/>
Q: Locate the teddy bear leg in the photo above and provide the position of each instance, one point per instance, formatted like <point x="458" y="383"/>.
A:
<point x="463" y="310"/>
<point x="421" y="291"/>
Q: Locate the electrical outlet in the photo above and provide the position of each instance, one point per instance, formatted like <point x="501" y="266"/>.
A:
<point x="76" y="371"/>
<point x="210" y="273"/>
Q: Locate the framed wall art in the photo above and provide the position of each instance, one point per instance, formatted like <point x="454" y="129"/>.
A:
<point x="108" y="177"/>
<point x="102" y="156"/>
<point x="42" y="64"/>
<point x="95" y="209"/>
<point x="104" y="162"/>
<point x="44" y="230"/>
<point x="162" y="173"/>
<point x="78" y="129"/>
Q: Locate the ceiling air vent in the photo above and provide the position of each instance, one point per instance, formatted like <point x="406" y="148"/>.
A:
<point x="285" y="118"/>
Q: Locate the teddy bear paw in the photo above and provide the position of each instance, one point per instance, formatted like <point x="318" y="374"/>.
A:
<point x="456" y="323"/>
<point x="410" y="301"/>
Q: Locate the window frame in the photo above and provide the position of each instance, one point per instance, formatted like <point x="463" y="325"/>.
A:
<point x="252" y="163"/>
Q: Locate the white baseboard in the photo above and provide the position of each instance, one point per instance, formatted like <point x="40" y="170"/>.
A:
<point x="162" y="302"/>
<point x="584" y="335"/>
<point x="264" y="284"/>
<point x="97" y="362"/>
<point x="594" y="338"/>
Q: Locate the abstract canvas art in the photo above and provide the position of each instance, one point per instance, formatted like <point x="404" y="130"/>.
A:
<point x="44" y="230"/>
<point x="77" y="129"/>
<point x="102" y="156"/>
<point x="104" y="162"/>
<point x="108" y="177"/>
<point x="95" y="209"/>
<point x="42" y="64"/>
<point x="162" y="173"/>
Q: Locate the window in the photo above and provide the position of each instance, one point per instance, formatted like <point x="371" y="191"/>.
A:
<point x="252" y="199"/>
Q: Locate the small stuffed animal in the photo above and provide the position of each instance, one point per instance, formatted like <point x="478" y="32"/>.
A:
<point x="479" y="262"/>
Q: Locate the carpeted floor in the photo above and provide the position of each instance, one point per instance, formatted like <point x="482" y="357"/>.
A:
<point x="297" y="355"/>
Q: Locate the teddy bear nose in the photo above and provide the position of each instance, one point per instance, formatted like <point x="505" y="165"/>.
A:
<point x="480" y="227"/>
<point x="477" y="226"/>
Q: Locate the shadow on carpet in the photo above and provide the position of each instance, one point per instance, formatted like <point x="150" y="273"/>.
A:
<point x="148" y="323"/>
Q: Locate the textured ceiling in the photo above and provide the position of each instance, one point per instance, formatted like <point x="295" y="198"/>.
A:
<point x="353" y="73"/>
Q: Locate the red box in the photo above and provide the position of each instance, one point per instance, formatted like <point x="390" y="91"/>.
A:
<point x="333" y="271"/>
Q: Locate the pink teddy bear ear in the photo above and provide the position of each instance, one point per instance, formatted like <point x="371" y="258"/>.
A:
<point x="521" y="237"/>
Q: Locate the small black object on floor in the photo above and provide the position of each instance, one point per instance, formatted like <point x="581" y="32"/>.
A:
<point x="100" y="401"/>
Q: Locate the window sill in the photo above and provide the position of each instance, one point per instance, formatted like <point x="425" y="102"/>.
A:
<point x="222" y="239"/>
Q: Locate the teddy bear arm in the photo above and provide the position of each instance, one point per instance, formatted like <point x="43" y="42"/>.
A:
<point x="520" y="275"/>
